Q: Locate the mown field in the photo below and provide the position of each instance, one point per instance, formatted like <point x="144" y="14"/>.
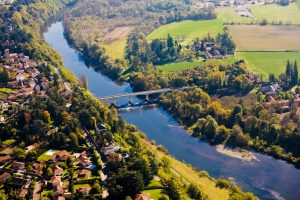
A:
<point x="268" y="62"/>
<point x="274" y="12"/>
<point x="265" y="38"/>
<point x="188" y="30"/>
<point x="228" y="15"/>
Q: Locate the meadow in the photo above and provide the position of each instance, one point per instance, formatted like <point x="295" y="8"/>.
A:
<point x="228" y="15"/>
<point x="265" y="38"/>
<point x="178" y="66"/>
<point x="273" y="12"/>
<point x="268" y="62"/>
<point x="188" y="30"/>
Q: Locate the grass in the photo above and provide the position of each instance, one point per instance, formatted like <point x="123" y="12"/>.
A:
<point x="228" y="15"/>
<point x="298" y="4"/>
<point x="78" y="186"/>
<point x="268" y="62"/>
<point x="4" y="92"/>
<point x="45" y="157"/>
<point x="8" y="142"/>
<point x="154" y="194"/>
<point x="273" y="12"/>
<point x="265" y="38"/>
<point x="187" y="30"/>
<point x="116" y="49"/>
<point x="178" y="66"/>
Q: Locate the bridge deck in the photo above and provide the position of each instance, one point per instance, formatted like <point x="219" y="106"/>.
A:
<point x="141" y="93"/>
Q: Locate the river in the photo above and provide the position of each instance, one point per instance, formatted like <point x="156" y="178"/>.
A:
<point x="266" y="177"/>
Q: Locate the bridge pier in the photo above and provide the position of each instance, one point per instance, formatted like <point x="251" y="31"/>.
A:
<point x="147" y="97"/>
<point x="130" y="101"/>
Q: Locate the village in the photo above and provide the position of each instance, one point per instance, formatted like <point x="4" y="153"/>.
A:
<point x="48" y="173"/>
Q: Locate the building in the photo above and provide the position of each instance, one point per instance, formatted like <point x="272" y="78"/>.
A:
<point x="84" y="173"/>
<point x="270" y="88"/>
<point x="5" y="159"/>
<point x="83" y="191"/>
<point x="57" y="171"/>
<point x="56" y="181"/>
<point x="21" y="182"/>
<point x="18" y="165"/>
<point x="142" y="197"/>
<point x="4" y="177"/>
<point x="22" y="193"/>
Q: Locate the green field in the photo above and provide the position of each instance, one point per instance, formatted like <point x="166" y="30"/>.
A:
<point x="187" y="30"/>
<point x="178" y="66"/>
<point x="45" y="157"/>
<point x="116" y="49"/>
<point x="154" y="194"/>
<point x="298" y="4"/>
<point x="228" y="15"/>
<point x="275" y="12"/>
<point x="268" y="62"/>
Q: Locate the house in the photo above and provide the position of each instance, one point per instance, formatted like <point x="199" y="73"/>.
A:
<point x="83" y="191"/>
<point x="5" y="159"/>
<point x="61" y="197"/>
<point x="21" y="182"/>
<point x="207" y="55"/>
<point x="84" y="160"/>
<point x="67" y="195"/>
<point x="58" y="190"/>
<point x="56" y="181"/>
<point x="142" y="197"/>
<point x="30" y="148"/>
<point x="4" y="177"/>
<point x="17" y="165"/>
<point x="63" y="155"/>
<point x="116" y="157"/>
<point x="57" y="171"/>
<point x="22" y="193"/>
<point x="84" y="173"/>
<point x="37" y="167"/>
<point x="217" y="55"/>
<point x="270" y="88"/>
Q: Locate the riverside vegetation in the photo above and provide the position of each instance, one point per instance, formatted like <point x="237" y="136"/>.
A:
<point x="30" y="123"/>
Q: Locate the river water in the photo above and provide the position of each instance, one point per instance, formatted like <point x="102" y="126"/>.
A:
<point x="266" y="177"/>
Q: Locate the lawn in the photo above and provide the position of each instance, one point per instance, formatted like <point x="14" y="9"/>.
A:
<point x="187" y="30"/>
<point x="45" y="157"/>
<point x="268" y="62"/>
<point x="78" y="186"/>
<point x="228" y="15"/>
<point x="273" y="12"/>
<point x="298" y="4"/>
<point x="265" y="38"/>
<point x="154" y="194"/>
<point x="8" y="142"/>
<point x="4" y="92"/>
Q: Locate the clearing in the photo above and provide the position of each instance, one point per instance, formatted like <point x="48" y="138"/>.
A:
<point x="265" y="38"/>
<point x="268" y="62"/>
<point x="188" y="30"/>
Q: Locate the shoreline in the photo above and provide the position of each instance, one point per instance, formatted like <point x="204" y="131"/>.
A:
<point x="236" y="153"/>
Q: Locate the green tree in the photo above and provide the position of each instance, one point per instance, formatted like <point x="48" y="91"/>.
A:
<point x="46" y="117"/>
<point x="172" y="189"/>
<point x="74" y="140"/>
<point x="295" y="74"/>
<point x="211" y="127"/>
<point x="288" y="71"/>
<point x="170" y="41"/>
<point x="194" y="192"/>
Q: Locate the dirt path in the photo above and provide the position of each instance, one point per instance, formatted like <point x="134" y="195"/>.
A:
<point x="37" y="191"/>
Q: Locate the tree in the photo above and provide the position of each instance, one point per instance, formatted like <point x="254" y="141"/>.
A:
<point x="288" y="71"/>
<point x="46" y="117"/>
<point x="271" y="77"/>
<point x="74" y="140"/>
<point x="172" y="189"/>
<point x="294" y="79"/>
<point x="170" y="41"/>
<point x="194" y="192"/>
<point x="211" y="127"/>
<point x="84" y="81"/>
<point x="96" y="188"/>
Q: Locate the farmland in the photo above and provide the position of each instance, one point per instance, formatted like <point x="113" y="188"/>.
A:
<point x="228" y="15"/>
<point x="188" y="30"/>
<point x="273" y="12"/>
<point x="265" y="38"/>
<point x="268" y="62"/>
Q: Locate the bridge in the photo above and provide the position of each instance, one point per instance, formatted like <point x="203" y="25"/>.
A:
<point x="143" y="93"/>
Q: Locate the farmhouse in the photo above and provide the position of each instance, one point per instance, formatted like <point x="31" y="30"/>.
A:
<point x="18" y="165"/>
<point x="4" y="177"/>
